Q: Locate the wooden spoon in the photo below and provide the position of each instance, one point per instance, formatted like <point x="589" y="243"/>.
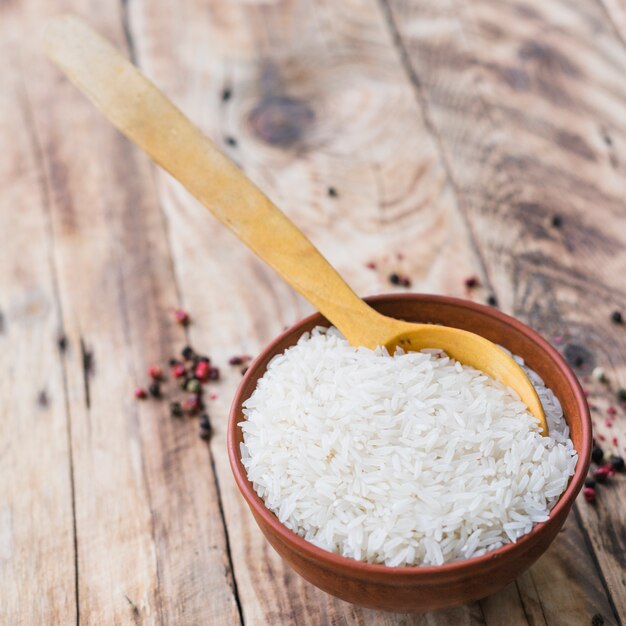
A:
<point x="140" y="111"/>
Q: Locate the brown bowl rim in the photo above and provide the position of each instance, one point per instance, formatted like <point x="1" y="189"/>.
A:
<point x="348" y="565"/>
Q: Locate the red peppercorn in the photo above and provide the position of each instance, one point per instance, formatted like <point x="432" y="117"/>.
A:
<point x="155" y="372"/>
<point x="590" y="494"/>
<point x="471" y="282"/>
<point x="602" y="474"/>
<point x="178" y="371"/>
<point x="235" y="360"/>
<point x="181" y="316"/>
<point x="405" y="281"/>
<point x="611" y="410"/>
<point x="213" y="396"/>
<point x="214" y="373"/>
<point x="615" y="441"/>
<point x="140" y="393"/>
<point x="202" y="370"/>
<point x="370" y="265"/>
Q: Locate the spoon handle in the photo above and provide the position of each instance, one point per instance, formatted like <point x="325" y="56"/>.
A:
<point x="150" y="120"/>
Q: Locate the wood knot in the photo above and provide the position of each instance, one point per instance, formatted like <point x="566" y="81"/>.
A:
<point x="281" y="120"/>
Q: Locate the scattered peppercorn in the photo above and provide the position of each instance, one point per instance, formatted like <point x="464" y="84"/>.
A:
<point x="176" y="409"/>
<point x="370" y="265"/>
<point x="181" y="316"/>
<point x="557" y="221"/>
<point x="205" y="427"/>
<point x="394" y="279"/>
<point x="171" y="362"/>
<point x="140" y="393"/>
<point x="187" y="353"/>
<point x="231" y="141"/>
<point x="214" y="373"/>
<point x="193" y="385"/>
<point x="155" y="372"/>
<point x="590" y="494"/>
<point x="155" y="389"/>
<point x="471" y="282"/>
<point x="178" y="371"/>
<point x="602" y="474"/>
<point x="192" y="404"/>
<point x="405" y="281"/>
<point x="226" y="94"/>
<point x="597" y="619"/>
<point x="213" y="396"/>
<point x="332" y="192"/>
<point x="590" y="482"/>
<point x="579" y="361"/>
<point x="617" y="463"/>
<point x="621" y="395"/>
<point x="235" y="360"/>
<point x="492" y="300"/>
<point x="616" y="317"/>
<point x="202" y="370"/>
<point x="597" y="454"/>
<point x="611" y="411"/>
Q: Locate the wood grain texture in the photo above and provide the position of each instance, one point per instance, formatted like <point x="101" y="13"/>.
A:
<point x="441" y="154"/>
<point x="36" y="517"/>
<point x="528" y="105"/>
<point x="148" y="548"/>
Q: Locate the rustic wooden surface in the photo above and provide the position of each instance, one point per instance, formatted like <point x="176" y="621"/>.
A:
<point x="452" y="133"/>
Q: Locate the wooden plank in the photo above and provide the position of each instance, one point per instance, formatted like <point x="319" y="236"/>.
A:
<point x="37" y="573"/>
<point x="528" y="104"/>
<point x="305" y="97"/>
<point x="150" y="538"/>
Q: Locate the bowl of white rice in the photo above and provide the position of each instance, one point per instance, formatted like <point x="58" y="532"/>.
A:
<point x="407" y="481"/>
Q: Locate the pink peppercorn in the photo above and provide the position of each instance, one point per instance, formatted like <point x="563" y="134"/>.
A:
<point x="202" y="371"/>
<point x="181" y="316"/>
<point x="603" y="473"/>
<point x="611" y="410"/>
<point x="214" y="373"/>
<point x="235" y="360"/>
<point x="370" y="265"/>
<point x="155" y="372"/>
<point x="140" y="393"/>
<point x="590" y="494"/>
<point x="615" y="441"/>
<point x="213" y="396"/>
<point x="192" y="403"/>
<point x="471" y="282"/>
<point x="178" y="370"/>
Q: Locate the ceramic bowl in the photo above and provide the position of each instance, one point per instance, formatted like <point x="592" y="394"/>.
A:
<point x="415" y="589"/>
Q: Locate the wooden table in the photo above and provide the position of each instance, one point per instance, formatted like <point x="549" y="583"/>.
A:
<point x="436" y="138"/>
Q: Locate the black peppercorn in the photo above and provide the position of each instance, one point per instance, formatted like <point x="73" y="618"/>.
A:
<point x="616" y="317"/>
<point x="155" y="389"/>
<point x="176" y="409"/>
<point x="187" y="353"/>
<point x="231" y="141"/>
<point x="621" y="395"/>
<point x="492" y="300"/>
<point x="226" y="94"/>
<point x="597" y="455"/>
<point x="332" y="192"/>
<point x="590" y="482"/>
<point x="557" y="221"/>
<point x="205" y="427"/>
<point x="617" y="463"/>
<point x="394" y="279"/>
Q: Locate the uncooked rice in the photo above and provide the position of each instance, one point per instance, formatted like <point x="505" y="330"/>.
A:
<point x="410" y="459"/>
